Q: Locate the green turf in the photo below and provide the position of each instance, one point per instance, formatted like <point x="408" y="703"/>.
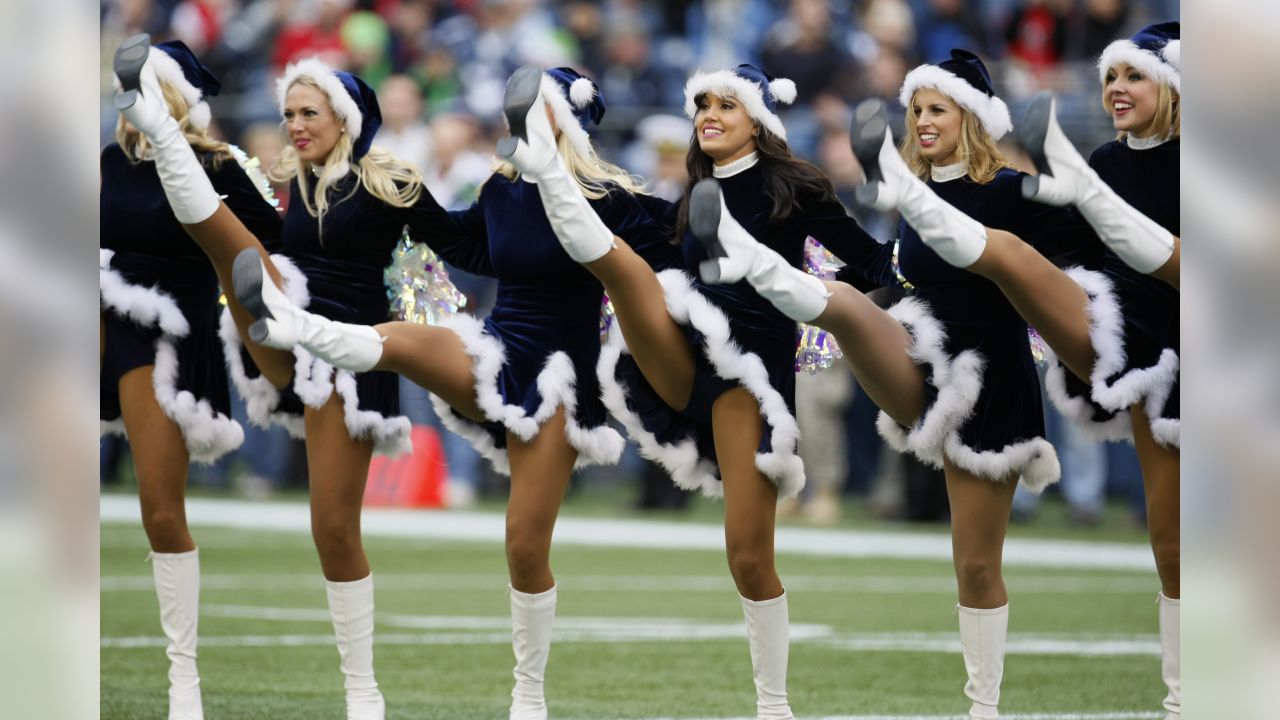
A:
<point x="601" y="677"/>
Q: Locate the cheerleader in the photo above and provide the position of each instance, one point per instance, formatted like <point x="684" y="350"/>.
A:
<point x="1119" y="327"/>
<point x="163" y="381"/>
<point x="702" y="376"/>
<point x="338" y="237"/>
<point x="521" y="386"/>
<point x="950" y="367"/>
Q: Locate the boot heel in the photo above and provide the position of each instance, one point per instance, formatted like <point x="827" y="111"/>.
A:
<point x="246" y="279"/>
<point x="522" y="92"/>
<point x="870" y="123"/>
<point x="130" y="57"/>
<point x="1032" y="132"/>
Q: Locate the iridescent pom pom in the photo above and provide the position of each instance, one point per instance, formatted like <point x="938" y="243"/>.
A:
<point x="418" y="284"/>
<point x="816" y="348"/>
<point x="1038" y="345"/>
<point x="252" y="167"/>
<point x="606" y="317"/>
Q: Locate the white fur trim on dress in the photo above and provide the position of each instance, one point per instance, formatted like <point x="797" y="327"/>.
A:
<point x="314" y="381"/>
<point x="1106" y="332"/>
<point x="989" y="109"/>
<point x="1077" y="409"/>
<point x="565" y="119"/>
<point x="556" y="383"/>
<point x="208" y="434"/>
<point x="958" y="380"/>
<point x="1166" y="70"/>
<point x="688" y="307"/>
<point x="729" y="84"/>
<point x="318" y="70"/>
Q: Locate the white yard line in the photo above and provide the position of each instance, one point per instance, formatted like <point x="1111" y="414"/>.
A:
<point x="1044" y="584"/>
<point x="1016" y="716"/>
<point x="635" y="533"/>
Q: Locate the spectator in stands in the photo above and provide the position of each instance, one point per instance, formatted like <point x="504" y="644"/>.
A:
<point x="802" y="46"/>
<point x="319" y="34"/>
<point x="1036" y="34"/>
<point x="403" y="132"/>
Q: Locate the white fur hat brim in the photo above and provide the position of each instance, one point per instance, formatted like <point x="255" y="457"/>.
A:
<point x="729" y="84"/>
<point x="320" y="72"/>
<point x="989" y="109"/>
<point x="584" y="93"/>
<point x="169" y="71"/>
<point x="1166" y="69"/>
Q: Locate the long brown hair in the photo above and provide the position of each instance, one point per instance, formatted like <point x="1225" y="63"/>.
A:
<point x="786" y="177"/>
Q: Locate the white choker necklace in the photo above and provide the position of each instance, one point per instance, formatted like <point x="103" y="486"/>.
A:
<point x="947" y="173"/>
<point x="1137" y="143"/>
<point x="733" y="168"/>
<point x="317" y="170"/>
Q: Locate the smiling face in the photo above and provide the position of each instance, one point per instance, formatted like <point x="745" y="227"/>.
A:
<point x="1132" y="99"/>
<point x="310" y="122"/>
<point x="937" y="127"/>
<point x="724" y="130"/>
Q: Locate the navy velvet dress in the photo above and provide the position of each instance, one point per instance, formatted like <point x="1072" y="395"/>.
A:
<point x="336" y="270"/>
<point x="983" y="410"/>
<point x="1134" y="317"/>
<point x="159" y="297"/>
<point x="739" y="340"/>
<point x="539" y="347"/>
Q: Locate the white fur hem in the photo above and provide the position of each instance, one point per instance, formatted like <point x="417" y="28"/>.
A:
<point x="688" y="307"/>
<point x="1106" y="332"/>
<point x="556" y="385"/>
<point x="1125" y="51"/>
<point x="989" y="109"/>
<point x="208" y="433"/>
<point x="314" y="381"/>
<point x="958" y="380"/>
<point x="729" y="83"/>
<point x="1078" y="410"/>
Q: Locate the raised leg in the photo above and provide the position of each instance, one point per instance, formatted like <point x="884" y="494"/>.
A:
<point x="1066" y="179"/>
<point x="750" y="508"/>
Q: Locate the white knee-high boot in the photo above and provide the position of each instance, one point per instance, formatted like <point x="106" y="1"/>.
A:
<point x="768" y="635"/>
<point x="532" y="149"/>
<point x="278" y="323"/>
<point x="736" y="255"/>
<point x="982" y="640"/>
<point x="954" y="236"/>
<point x="1066" y="179"/>
<point x="190" y="193"/>
<point x="351" y="607"/>
<point x="532" y="617"/>
<point x="177" y="577"/>
<point x="1170" y="654"/>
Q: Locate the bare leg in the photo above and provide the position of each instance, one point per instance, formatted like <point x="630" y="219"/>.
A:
<point x="659" y="346"/>
<point x="338" y="469"/>
<point x="1171" y="271"/>
<point x="160" y="461"/>
<point x="1045" y="296"/>
<point x="750" y="499"/>
<point x="875" y="346"/>
<point x="435" y="359"/>
<point x="1160" y="479"/>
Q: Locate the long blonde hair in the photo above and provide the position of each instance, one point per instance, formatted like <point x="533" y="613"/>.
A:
<point x="1167" y="122"/>
<point x="978" y="151"/>
<point x="593" y="175"/>
<point x="385" y="176"/>
<point x="137" y="148"/>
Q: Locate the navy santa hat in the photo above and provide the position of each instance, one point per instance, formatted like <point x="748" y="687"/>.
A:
<point x="353" y="101"/>
<point x="965" y="80"/>
<point x="1156" y="51"/>
<point x="576" y="104"/>
<point x="758" y="91"/>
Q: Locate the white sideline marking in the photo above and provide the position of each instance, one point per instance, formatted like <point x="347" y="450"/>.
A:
<point x="1015" y="716"/>
<point x="634" y="533"/>
<point x="1057" y="585"/>
<point x="487" y="630"/>
<point x="1032" y="716"/>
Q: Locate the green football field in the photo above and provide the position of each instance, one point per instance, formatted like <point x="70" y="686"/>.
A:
<point x="643" y="630"/>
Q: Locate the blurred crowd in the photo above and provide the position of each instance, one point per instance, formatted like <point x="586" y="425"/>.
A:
<point x="440" y="67"/>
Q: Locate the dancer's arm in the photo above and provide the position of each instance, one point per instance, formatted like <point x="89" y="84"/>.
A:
<point x="1060" y="234"/>
<point x="646" y="224"/>
<point x="459" y="237"/>
<point x="868" y="262"/>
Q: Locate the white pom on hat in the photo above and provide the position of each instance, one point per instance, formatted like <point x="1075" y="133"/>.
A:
<point x="784" y="90"/>
<point x="582" y="92"/>
<point x="1173" y="53"/>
